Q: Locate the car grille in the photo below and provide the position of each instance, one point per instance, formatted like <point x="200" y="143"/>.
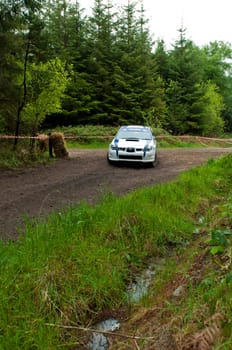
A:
<point x="130" y="149"/>
<point x="128" y="156"/>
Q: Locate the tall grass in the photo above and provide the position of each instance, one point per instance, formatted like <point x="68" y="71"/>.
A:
<point x="66" y="269"/>
<point x="22" y="156"/>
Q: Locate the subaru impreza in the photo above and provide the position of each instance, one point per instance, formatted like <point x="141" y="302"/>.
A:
<point x="133" y="143"/>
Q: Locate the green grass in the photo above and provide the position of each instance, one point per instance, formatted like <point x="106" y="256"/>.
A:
<point x="87" y="144"/>
<point x="21" y="157"/>
<point x="67" y="269"/>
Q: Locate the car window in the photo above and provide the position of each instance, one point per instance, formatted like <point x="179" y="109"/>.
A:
<point x="134" y="134"/>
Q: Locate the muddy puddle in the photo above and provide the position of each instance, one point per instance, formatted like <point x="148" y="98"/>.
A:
<point x="136" y="291"/>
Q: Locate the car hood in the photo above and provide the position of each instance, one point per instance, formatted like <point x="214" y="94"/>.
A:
<point x="124" y="143"/>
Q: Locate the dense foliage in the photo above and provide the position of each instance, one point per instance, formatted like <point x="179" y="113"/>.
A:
<point x="60" y="66"/>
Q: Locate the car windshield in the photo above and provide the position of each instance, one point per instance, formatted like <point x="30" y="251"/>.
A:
<point x="134" y="134"/>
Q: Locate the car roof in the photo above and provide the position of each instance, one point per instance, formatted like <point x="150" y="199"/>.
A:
<point x="135" y="127"/>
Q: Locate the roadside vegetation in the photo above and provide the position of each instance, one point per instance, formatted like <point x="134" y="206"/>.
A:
<point x="11" y="159"/>
<point x="68" y="271"/>
<point x="91" y="137"/>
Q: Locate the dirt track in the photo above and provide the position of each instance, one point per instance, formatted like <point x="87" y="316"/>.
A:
<point x="86" y="175"/>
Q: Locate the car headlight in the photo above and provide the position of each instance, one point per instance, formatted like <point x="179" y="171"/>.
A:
<point x="114" y="144"/>
<point x="148" y="148"/>
<point x="113" y="147"/>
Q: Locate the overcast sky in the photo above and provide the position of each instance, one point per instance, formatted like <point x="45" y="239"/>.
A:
<point x="205" y="20"/>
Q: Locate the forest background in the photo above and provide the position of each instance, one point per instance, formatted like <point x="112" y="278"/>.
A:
<point x="59" y="66"/>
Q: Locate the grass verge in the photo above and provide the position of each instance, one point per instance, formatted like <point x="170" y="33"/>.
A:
<point x="73" y="266"/>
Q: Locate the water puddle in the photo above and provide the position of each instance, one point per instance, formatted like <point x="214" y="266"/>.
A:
<point x="136" y="290"/>
<point x="99" y="341"/>
<point x="139" y="288"/>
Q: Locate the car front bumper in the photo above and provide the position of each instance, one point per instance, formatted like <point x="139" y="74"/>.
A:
<point x="134" y="156"/>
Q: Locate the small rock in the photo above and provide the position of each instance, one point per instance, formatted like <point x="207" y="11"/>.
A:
<point x="178" y="292"/>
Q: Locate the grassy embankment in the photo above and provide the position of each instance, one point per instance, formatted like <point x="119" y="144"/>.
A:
<point x="66" y="270"/>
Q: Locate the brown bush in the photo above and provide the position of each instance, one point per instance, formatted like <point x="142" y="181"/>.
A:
<point x="57" y="143"/>
<point x="42" y="142"/>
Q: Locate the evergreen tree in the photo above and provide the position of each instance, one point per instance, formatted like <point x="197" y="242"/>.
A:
<point x="186" y="93"/>
<point x="100" y="61"/>
<point x="161" y="57"/>
<point x="88" y="97"/>
<point x="138" y="89"/>
<point x="78" y="102"/>
<point x="60" y="23"/>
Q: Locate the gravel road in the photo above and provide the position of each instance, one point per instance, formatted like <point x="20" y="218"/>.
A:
<point x="86" y="175"/>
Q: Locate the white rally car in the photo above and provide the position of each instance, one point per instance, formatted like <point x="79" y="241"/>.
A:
<point x="133" y="143"/>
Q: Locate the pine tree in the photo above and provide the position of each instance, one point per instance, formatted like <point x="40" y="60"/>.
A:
<point x="101" y="61"/>
<point x="186" y="71"/>
<point x="138" y="89"/>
